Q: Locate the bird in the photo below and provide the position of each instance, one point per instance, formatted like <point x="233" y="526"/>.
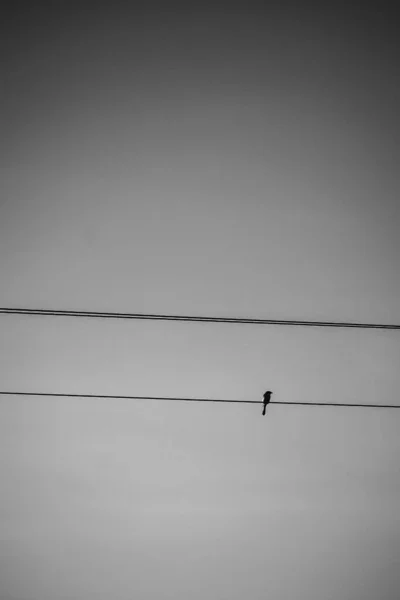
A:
<point x="267" y="400"/>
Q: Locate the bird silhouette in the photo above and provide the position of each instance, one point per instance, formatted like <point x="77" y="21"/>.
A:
<point x="267" y="400"/>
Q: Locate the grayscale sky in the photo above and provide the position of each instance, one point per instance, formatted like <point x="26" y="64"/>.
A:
<point x="237" y="162"/>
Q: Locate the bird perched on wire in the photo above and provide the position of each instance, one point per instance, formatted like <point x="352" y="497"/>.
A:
<point x="267" y="400"/>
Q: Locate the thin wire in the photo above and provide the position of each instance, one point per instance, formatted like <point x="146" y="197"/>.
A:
<point x="177" y="399"/>
<point x="161" y="317"/>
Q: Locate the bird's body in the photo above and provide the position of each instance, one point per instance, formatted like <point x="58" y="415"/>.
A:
<point x="266" y="400"/>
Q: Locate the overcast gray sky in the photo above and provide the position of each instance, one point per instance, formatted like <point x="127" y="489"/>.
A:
<point x="231" y="162"/>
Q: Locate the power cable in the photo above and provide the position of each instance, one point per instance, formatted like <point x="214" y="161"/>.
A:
<point x="198" y="319"/>
<point x="178" y="399"/>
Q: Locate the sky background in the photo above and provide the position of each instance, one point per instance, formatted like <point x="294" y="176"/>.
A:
<point x="238" y="162"/>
